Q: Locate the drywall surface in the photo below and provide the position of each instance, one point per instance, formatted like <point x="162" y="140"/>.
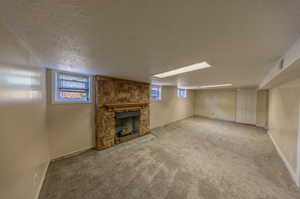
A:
<point x="70" y="126"/>
<point x="23" y="133"/>
<point x="222" y="104"/>
<point x="283" y="70"/>
<point x="283" y="119"/>
<point x="292" y="54"/>
<point x="246" y="106"/>
<point x="262" y="108"/>
<point x="171" y="108"/>
<point x="216" y="103"/>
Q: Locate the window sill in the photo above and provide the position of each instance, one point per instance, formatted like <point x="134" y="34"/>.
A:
<point x="72" y="102"/>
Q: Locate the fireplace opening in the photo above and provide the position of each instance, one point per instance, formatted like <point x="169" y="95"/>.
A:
<point x="127" y="125"/>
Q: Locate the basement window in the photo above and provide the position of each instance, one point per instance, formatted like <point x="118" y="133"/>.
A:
<point x="70" y="88"/>
<point x="181" y="93"/>
<point x="155" y="93"/>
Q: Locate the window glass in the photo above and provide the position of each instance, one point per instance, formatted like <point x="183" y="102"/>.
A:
<point x="71" y="87"/>
<point x="181" y="93"/>
<point x="155" y="93"/>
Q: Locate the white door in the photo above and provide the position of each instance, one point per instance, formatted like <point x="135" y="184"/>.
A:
<point x="246" y="106"/>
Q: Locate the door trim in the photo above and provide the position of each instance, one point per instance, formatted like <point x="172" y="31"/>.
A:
<point x="298" y="150"/>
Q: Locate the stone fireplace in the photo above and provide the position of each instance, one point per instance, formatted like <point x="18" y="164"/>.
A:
<point x="122" y="110"/>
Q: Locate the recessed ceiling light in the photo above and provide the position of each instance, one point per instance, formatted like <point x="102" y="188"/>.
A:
<point x="214" y="86"/>
<point x="184" y="69"/>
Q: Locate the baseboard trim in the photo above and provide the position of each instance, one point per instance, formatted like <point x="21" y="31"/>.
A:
<point x="287" y="164"/>
<point x="42" y="180"/>
<point x="232" y="121"/>
<point x="217" y="119"/>
<point x="44" y="174"/>
<point x="71" y="154"/>
<point x="169" y="123"/>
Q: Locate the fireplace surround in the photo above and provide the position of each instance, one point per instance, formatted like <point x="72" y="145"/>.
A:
<point x="122" y="110"/>
<point x="127" y="125"/>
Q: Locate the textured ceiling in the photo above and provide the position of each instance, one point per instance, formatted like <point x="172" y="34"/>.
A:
<point x="135" y="39"/>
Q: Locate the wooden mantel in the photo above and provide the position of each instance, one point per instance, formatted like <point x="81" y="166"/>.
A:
<point x="125" y="106"/>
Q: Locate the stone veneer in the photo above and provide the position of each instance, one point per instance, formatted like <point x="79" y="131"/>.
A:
<point x="118" y="95"/>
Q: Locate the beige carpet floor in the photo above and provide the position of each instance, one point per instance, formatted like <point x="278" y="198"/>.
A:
<point x="194" y="158"/>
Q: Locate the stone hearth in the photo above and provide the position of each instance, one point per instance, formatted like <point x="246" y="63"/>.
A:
<point x="115" y="96"/>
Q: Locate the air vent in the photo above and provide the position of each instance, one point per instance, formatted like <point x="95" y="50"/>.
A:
<point x="281" y="64"/>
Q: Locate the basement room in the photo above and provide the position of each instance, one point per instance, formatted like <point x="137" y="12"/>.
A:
<point x="116" y="99"/>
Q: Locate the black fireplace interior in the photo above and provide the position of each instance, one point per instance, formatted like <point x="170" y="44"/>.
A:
<point x="127" y="123"/>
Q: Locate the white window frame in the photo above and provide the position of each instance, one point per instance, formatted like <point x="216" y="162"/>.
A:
<point x="54" y="76"/>
<point x="160" y="92"/>
<point x="185" y="93"/>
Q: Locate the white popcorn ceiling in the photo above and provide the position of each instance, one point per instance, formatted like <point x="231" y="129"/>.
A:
<point x="135" y="39"/>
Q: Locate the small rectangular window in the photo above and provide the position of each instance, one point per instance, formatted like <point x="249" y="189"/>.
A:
<point x="155" y="93"/>
<point x="71" y="87"/>
<point x="181" y="93"/>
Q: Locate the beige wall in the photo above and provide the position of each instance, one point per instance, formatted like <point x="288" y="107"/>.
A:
<point x="284" y="119"/>
<point x="216" y="103"/>
<point x="222" y="104"/>
<point x="262" y="108"/>
<point x="70" y="126"/>
<point x="23" y="136"/>
<point x="171" y="108"/>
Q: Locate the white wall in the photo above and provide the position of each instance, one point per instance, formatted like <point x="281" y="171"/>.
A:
<point x="216" y="104"/>
<point x="222" y="104"/>
<point x="284" y="121"/>
<point x="262" y="108"/>
<point x="70" y="126"/>
<point x="23" y="133"/>
<point x="171" y="108"/>
<point x="246" y="106"/>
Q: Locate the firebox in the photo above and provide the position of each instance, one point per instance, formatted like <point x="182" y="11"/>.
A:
<point x="127" y="125"/>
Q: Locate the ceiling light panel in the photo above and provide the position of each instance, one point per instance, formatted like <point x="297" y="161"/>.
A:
<point x="204" y="87"/>
<point x="184" y="69"/>
<point x="215" y="86"/>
